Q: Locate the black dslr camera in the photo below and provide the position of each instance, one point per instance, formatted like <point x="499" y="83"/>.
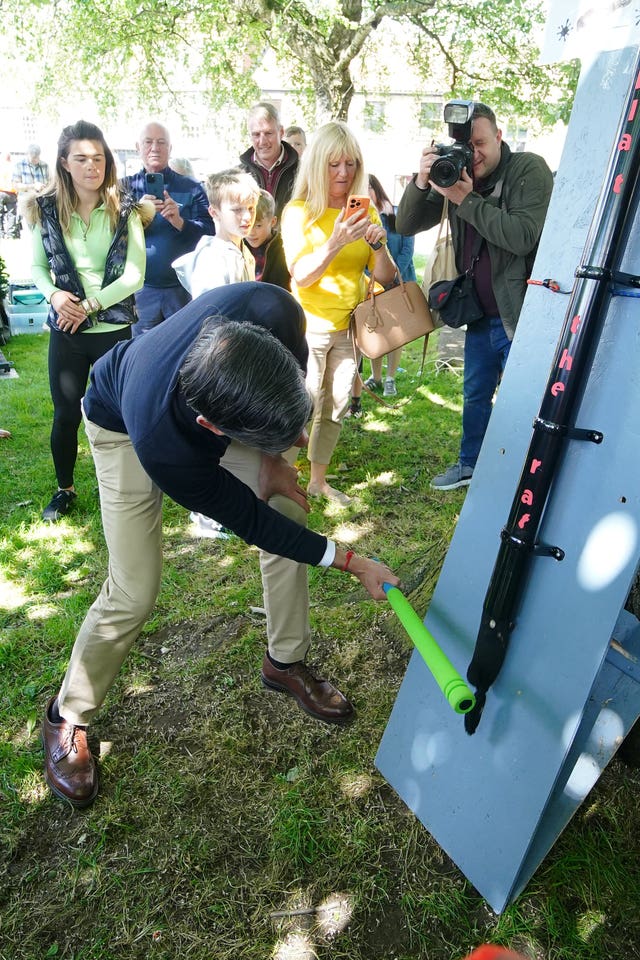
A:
<point x="455" y="157"/>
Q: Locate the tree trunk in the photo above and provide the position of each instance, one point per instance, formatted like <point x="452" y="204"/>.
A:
<point x="334" y="93"/>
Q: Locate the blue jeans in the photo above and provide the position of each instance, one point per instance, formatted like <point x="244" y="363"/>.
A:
<point x="155" y="304"/>
<point x="486" y="348"/>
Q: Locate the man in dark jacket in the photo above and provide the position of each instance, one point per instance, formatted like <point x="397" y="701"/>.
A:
<point x="504" y="202"/>
<point x="182" y="218"/>
<point x="200" y="408"/>
<point x="271" y="160"/>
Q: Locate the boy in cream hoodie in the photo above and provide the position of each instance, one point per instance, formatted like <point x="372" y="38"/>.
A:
<point x="224" y="258"/>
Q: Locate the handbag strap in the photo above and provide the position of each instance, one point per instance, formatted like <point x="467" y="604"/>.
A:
<point x="357" y="359"/>
<point x="398" y="277"/>
<point x="381" y="400"/>
<point x="444" y="219"/>
<point x="425" y="344"/>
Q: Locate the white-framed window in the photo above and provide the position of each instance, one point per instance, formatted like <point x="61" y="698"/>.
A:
<point x="374" y="116"/>
<point x="516" y="136"/>
<point x="430" y="117"/>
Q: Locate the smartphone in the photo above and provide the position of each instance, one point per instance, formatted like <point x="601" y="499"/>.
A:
<point x="358" y="203"/>
<point x="154" y="185"/>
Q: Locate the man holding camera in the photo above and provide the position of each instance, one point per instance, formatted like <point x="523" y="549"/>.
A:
<point x="182" y="218"/>
<point x="497" y="210"/>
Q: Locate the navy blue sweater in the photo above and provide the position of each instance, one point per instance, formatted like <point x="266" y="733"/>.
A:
<point x="134" y="390"/>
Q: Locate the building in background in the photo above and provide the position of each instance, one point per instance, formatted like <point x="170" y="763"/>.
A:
<point x="392" y="126"/>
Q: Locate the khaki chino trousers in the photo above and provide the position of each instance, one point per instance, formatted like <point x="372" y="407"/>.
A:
<point x="131" y="506"/>
<point x="330" y="372"/>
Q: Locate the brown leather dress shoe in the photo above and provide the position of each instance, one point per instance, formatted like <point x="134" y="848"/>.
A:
<point x="318" y="698"/>
<point x="69" y="768"/>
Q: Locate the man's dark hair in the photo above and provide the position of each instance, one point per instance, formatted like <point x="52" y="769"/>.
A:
<point x="482" y="110"/>
<point x="245" y="382"/>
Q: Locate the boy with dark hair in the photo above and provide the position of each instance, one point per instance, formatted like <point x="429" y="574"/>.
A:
<point x="236" y="355"/>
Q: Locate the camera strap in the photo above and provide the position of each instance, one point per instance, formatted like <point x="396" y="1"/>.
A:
<point x="479" y="240"/>
<point x="475" y="254"/>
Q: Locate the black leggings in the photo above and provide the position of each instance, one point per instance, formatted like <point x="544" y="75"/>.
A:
<point x="71" y="356"/>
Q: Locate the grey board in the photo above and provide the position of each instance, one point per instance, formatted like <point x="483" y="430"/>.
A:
<point x="489" y="799"/>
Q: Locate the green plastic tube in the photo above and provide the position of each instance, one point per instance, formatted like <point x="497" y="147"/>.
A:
<point x="457" y="694"/>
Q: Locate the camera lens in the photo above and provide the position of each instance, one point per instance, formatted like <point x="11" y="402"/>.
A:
<point x="445" y="171"/>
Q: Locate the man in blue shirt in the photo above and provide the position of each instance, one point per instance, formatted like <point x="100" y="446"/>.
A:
<point x="181" y="219"/>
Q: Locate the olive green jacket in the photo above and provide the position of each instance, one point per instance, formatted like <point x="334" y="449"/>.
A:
<point x="509" y="214"/>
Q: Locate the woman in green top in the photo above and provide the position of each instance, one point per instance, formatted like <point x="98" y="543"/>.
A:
<point x="88" y="260"/>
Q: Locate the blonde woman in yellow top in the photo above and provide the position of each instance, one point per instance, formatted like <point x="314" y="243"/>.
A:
<point x="328" y="250"/>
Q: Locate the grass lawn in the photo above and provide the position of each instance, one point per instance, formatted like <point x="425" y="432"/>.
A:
<point x="230" y="826"/>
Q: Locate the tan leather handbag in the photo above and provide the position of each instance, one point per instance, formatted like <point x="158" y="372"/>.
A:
<point x="390" y="319"/>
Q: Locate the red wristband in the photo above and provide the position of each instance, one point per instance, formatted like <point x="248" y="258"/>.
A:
<point x="348" y="558"/>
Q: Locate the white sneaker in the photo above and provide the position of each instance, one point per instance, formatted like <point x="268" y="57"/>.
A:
<point x="389" y="388"/>
<point x="206" y="527"/>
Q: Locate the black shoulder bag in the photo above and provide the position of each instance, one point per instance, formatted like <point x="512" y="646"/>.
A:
<point x="456" y="300"/>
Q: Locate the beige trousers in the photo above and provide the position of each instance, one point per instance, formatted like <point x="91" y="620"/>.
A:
<point x="131" y="506"/>
<point x="330" y="372"/>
